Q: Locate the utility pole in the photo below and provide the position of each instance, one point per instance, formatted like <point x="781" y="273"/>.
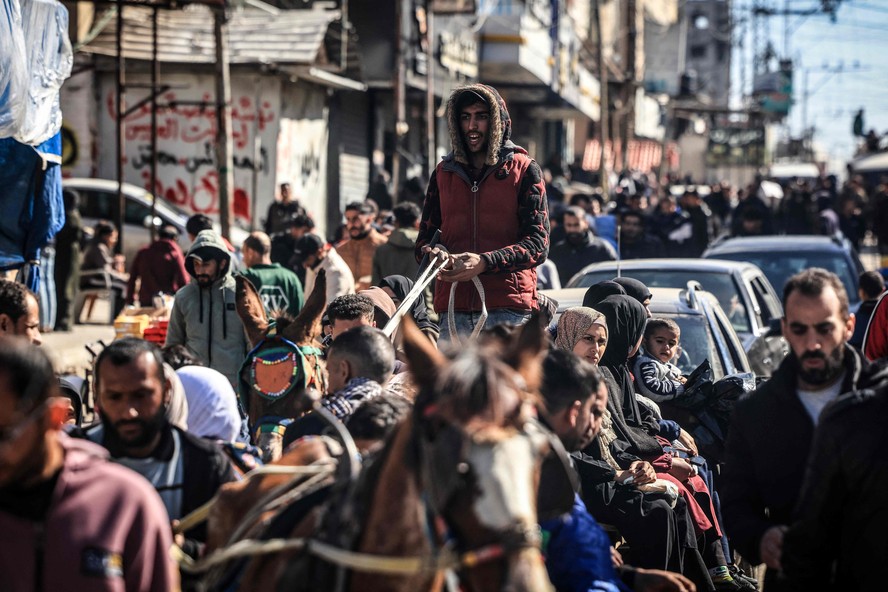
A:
<point x="627" y="122"/>
<point x="603" y="100"/>
<point x="121" y="144"/>
<point x="155" y="75"/>
<point x="224" y="145"/>
<point x="400" y="90"/>
<point x="830" y="71"/>
<point x="431" y="144"/>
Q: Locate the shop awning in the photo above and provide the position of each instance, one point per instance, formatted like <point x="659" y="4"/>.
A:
<point x="644" y="155"/>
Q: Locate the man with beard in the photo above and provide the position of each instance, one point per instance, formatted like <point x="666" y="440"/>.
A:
<point x="635" y="241"/>
<point x="70" y="520"/>
<point x="133" y="392"/>
<point x="204" y="318"/>
<point x="580" y="246"/>
<point x="488" y="200"/>
<point x="771" y="430"/>
<point x="360" y="246"/>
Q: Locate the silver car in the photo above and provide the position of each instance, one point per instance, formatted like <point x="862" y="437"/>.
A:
<point x="98" y="201"/>
<point x="706" y="332"/>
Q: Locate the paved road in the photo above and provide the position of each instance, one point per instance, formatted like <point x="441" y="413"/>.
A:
<point x="68" y="350"/>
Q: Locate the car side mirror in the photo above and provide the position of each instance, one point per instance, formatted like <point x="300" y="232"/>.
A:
<point x="775" y="328"/>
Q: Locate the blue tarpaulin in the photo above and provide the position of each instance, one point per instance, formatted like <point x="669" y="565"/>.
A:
<point x="31" y="208"/>
<point x="35" y="59"/>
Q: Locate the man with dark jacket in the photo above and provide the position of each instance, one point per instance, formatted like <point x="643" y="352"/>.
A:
<point x="635" y="240"/>
<point x="580" y="246"/>
<point x="771" y="430"/>
<point x="133" y="391"/>
<point x="702" y="226"/>
<point x="396" y="256"/>
<point x="488" y="199"/>
<point x="838" y="538"/>
<point x="160" y="267"/>
<point x="871" y="286"/>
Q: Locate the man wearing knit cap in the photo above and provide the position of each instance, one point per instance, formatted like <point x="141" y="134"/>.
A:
<point x="488" y="199"/>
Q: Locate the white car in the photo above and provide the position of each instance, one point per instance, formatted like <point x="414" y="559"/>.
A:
<point x="98" y="200"/>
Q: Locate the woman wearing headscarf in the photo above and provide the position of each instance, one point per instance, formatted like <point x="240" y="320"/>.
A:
<point x="636" y="289"/>
<point x="397" y="287"/>
<point x="657" y="533"/>
<point x="641" y="431"/>
<point x="598" y="292"/>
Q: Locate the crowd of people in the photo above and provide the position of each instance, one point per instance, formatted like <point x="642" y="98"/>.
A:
<point x="94" y="503"/>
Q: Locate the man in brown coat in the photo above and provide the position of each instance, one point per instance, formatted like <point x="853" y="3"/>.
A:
<point x="360" y="246"/>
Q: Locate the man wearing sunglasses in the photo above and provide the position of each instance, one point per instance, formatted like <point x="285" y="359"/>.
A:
<point x="70" y="520"/>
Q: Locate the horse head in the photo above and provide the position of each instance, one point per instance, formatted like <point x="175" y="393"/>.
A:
<point x="480" y="452"/>
<point x="284" y="373"/>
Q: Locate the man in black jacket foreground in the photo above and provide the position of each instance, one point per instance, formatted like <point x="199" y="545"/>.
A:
<point x="771" y="430"/>
<point x="838" y="539"/>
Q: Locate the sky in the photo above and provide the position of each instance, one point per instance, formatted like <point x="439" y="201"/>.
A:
<point x="857" y="42"/>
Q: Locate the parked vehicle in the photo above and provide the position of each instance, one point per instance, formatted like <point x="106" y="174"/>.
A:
<point x="706" y="333"/>
<point x="744" y="293"/>
<point x="781" y="257"/>
<point x="98" y="201"/>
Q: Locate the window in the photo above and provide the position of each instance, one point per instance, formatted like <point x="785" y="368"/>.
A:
<point x="97" y="204"/>
<point x="697" y="344"/>
<point x="135" y="213"/>
<point x="698" y="51"/>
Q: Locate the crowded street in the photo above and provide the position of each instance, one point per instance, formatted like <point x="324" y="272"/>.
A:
<point x="443" y="295"/>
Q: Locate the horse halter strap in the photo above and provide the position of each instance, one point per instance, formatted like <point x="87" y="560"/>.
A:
<point x="515" y="537"/>
<point x="276" y="364"/>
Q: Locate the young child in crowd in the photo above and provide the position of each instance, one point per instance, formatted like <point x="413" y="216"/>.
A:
<point x="657" y="378"/>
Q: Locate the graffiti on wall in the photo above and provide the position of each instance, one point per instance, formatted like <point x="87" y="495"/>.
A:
<point x="187" y="160"/>
<point x="302" y="162"/>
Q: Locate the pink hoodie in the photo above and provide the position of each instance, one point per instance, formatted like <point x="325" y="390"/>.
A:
<point x="106" y="530"/>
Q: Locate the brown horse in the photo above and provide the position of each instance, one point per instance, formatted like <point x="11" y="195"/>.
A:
<point x="467" y="462"/>
<point x="284" y="362"/>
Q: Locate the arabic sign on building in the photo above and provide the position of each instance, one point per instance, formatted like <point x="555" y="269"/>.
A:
<point x="773" y="90"/>
<point x="731" y="146"/>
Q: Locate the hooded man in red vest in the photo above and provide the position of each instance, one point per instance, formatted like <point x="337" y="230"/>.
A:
<point x="488" y="199"/>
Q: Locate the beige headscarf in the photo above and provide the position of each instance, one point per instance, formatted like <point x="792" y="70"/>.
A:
<point x="574" y="323"/>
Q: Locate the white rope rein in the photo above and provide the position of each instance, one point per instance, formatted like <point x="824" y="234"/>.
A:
<point x="200" y="514"/>
<point x="366" y="562"/>
<point x="451" y="321"/>
<point x="422" y="282"/>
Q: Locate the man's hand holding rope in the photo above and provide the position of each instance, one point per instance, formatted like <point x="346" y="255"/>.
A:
<point x="462" y="267"/>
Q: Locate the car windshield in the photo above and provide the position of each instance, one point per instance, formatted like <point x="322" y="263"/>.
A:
<point x="722" y="285"/>
<point x="697" y="344"/>
<point x="779" y="267"/>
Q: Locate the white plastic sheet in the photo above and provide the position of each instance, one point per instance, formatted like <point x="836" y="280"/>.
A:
<point x="13" y="69"/>
<point x="44" y="54"/>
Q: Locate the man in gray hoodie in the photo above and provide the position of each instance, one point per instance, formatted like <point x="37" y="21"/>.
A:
<point x="204" y="317"/>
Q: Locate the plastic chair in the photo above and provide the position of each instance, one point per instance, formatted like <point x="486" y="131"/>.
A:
<point x="86" y="297"/>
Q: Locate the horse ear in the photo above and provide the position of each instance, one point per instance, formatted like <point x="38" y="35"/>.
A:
<point x="307" y="325"/>
<point x="250" y="309"/>
<point x="423" y="357"/>
<point x="527" y="350"/>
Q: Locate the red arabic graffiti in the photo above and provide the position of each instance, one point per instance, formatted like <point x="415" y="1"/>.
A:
<point x="191" y="123"/>
<point x="200" y="196"/>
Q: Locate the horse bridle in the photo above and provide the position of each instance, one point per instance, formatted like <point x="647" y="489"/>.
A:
<point x="440" y="487"/>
